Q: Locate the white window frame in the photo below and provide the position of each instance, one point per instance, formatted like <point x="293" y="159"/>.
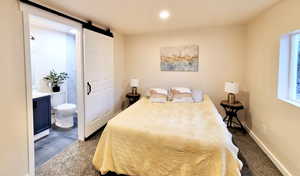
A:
<point x="288" y="63"/>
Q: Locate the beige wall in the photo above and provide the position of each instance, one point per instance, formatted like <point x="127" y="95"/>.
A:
<point x="276" y="123"/>
<point x="13" y="126"/>
<point x="221" y="58"/>
<point x="13" y="132"/>
<point x="119" y="68"/>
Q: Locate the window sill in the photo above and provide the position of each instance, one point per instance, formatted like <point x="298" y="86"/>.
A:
<point x="295" y="103"/>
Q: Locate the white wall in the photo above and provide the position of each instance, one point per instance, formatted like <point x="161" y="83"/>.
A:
<point x="53" y="50"/>
<point x="13" y="132"/>
<point x="275" y="122"/>
<point x="221" y="59"/>
<point x="48" y="52"/>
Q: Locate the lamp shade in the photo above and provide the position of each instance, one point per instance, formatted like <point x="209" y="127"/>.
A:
<point x="232" y="87"/>
<point x="134" y="83"/>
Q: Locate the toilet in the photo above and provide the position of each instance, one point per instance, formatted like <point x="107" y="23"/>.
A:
<point x="64" y="112"/>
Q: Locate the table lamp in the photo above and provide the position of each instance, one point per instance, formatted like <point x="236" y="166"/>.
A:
<point x="232" y="89"/>
<point x="134" y="84"/>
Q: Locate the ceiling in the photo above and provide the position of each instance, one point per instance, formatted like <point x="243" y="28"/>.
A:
<point x="142" y="16"/>
<point x="49" y="24"/>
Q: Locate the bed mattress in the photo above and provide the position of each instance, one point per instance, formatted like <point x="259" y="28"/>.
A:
<point x="167" y="139"/>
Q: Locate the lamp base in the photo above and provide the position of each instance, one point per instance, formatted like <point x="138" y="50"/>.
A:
<point x="231" y="98"/>
<point x="134" y="91"/>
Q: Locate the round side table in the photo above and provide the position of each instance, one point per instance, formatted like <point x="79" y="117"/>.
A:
<point x="132" y="98"/>
<point x="231" y="114"/>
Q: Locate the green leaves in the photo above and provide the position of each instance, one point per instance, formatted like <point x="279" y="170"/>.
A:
<point x="55" y="78"/>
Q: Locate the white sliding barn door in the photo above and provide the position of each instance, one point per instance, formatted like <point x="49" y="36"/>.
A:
<point x="99" y="78"/>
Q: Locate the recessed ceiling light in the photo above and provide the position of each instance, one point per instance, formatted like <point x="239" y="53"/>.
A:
<point x="164" y="14"/>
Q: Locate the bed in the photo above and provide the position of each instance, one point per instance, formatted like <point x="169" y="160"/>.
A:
<point x="167" y="139"/>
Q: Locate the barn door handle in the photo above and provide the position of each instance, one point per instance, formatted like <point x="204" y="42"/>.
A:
<point x="89" y="88"/>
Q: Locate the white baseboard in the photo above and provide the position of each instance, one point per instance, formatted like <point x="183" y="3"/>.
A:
<point x="268" y="152"/>
<point x="41" y="134"/>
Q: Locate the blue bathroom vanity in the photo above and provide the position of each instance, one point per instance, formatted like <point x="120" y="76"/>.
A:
<point x="41" y="115"/>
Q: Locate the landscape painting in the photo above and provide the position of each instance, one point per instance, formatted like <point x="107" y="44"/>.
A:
<point x="181" y="58"/>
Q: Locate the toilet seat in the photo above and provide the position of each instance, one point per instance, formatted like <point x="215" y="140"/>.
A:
<point x="65" y="107"/>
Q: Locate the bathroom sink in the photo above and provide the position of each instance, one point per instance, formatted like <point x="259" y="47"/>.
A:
<point x="36" y="94"/>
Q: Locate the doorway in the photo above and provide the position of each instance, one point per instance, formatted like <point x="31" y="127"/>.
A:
<point x="54" y="84"/>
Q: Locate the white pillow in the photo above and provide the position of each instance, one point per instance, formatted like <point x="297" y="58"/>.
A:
<point x="183" y="100"/>
<point x="158" y="100"/>
<point x="158" y="95"/>
<point x="182" y="89"/>
<point x="197" y="95"/>
<point x="181" y="95"/>
<point x="160" y="91"/>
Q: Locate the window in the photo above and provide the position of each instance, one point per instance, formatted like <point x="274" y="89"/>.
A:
<point x="298" y="67"/>
<point x="295" y="68"/>
<point x="289" y="69"/>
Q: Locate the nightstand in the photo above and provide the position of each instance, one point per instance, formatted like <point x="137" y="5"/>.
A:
<point x="231" y="114"/>
<point x="132" y="98"/>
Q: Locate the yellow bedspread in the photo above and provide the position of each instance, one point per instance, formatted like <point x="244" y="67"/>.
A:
<point x="167" y="139"/>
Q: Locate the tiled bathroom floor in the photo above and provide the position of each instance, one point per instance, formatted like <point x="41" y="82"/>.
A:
<point x="54" y="143"/>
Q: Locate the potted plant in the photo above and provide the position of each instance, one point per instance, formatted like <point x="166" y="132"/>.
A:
<point x="56" y="79"/>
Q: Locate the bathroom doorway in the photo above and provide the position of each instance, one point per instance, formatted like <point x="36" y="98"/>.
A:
<point x="54" y="79"/>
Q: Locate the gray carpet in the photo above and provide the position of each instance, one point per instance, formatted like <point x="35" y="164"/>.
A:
<point x="77" y="159"/>
<point x="258" y="162"/>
